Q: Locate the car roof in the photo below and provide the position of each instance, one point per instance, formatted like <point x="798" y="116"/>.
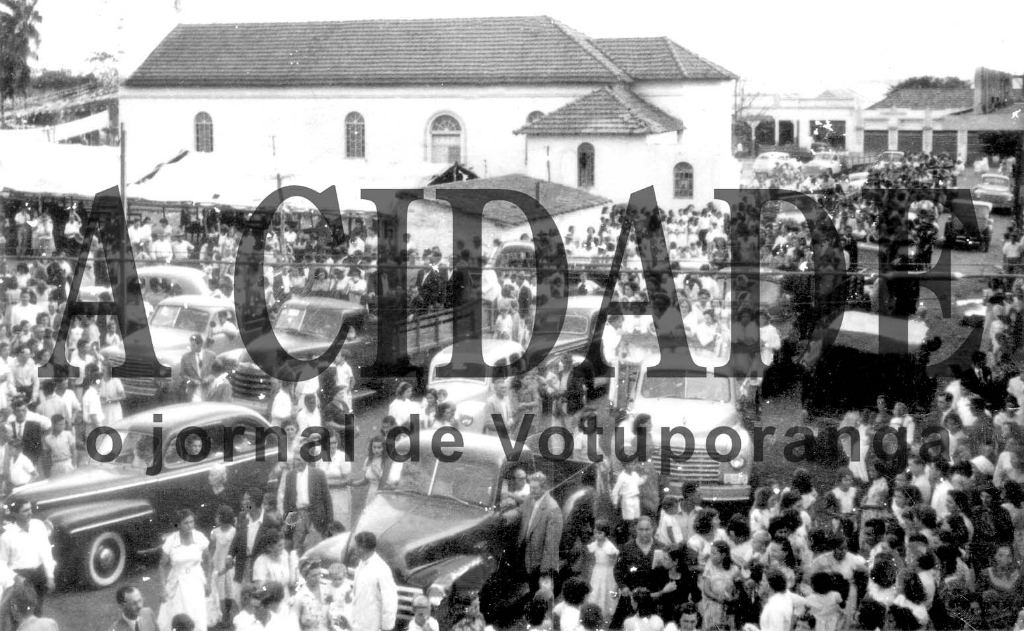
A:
<point x="199" y="302"/>
<point x="859" y="329"/>
<point x="174" y="418"/>
<point x="994" y="176"/>
<point x="488" y="445"/>
<point x="493" y="350"/>
<point x="773" y="154"/>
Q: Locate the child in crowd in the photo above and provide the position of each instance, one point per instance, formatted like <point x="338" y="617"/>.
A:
<point x="823" y="602"/>
<point x="602" y="577"/>
<point x="421" y="618"/>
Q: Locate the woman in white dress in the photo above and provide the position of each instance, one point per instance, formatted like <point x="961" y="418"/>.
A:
<point x="111" y="395"/>
<point x="402" y="408"/>
<point x="184" y="566"/>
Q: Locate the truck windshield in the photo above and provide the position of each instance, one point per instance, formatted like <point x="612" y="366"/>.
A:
<point x="471" y="480"/>
<point x="699" y="388"/>
<point x="178" y="317"/>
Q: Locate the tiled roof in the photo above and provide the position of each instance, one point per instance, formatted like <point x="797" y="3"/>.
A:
<point x="927" y="98"/>
<point x="612" y="110"/>
<point x="556" y="198"/>
<point x="471" y="51"/>
<point x="659" y="58"/>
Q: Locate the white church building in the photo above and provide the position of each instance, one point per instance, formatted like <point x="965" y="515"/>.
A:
<point x="390" y="103"/>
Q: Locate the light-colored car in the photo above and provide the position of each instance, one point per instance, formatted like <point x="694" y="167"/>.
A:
<point x="469" y="394"/>
<point x="995" y="189"/>
<point x="157" y="282"/>
<point x="767" y="161"/>
<point x="704" y="407"/>
<point x="824" y="161"/>
<point x="172" y="324"/>
<point x="891" y="158"/>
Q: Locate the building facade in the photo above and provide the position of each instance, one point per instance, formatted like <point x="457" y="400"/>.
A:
<point x="388" y="103"/>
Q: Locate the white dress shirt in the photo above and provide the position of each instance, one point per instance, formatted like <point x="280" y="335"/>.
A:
<point x="27" y="549"/>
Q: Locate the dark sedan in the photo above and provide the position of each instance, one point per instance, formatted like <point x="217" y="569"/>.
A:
<point x="104" y="512"/>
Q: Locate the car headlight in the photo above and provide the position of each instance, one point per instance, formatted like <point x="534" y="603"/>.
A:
<point x="465" y="419"/>
<point x="436" y="594"/>
<point x="738" y="462"/>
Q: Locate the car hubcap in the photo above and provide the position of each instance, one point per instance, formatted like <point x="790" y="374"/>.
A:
<point x="106" y="559"/>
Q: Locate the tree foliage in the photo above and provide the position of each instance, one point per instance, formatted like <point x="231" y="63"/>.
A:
<point x="928" y="81"/>
<point x="19" y="39"/>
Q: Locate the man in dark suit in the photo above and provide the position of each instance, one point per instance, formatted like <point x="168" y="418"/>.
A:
<point x="978" y="378"/>
<point x="540" y="532"/>
<point x="28" y="426"/>
<point x="196" y="375"/>
<point x="640" y="564"/>
<point x="251" y="538"/>
<point x="306" y="494"/>
<point x="431" y="282"/>
<point x="134" y="617"/>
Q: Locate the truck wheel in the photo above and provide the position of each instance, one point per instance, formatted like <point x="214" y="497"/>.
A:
<point x="105" y="559"/>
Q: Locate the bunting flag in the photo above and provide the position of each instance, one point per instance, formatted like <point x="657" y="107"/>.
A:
<point x="156" y="169"/>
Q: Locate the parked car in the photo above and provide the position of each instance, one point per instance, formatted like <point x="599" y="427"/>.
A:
<point x="105" y="513"/>
<point x="306" y="328"/>
<point x="173" y="322"/>
<point x="766" y="162"/>
<point x="891" y="158"/>
<point x="469" y="394"/>
<point x="976" y="233"/>
<point x="445" y="532"/>
<point x="701" y="405"/>
<point x="824" y="161"/>
<point x="995" y="189"/>
<point x="159" y="282"/>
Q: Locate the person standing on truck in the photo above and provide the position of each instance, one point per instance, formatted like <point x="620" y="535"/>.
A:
<point x="499" y="404"/>
<point x="540" y="532"/>
<point x="375" y="595"/>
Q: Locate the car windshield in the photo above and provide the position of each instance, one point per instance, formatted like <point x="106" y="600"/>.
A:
<point x="699" y="388"/>
<point x="995" y="181"/>
<point x="471" y="481"/>
<point x="573" y="325"/>
<point x="322" y="323"/>
<point x="480" y="372"/>
<point x="180" y="317"/>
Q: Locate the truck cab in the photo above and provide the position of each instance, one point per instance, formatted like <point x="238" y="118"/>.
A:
<point x="711" y="408"/>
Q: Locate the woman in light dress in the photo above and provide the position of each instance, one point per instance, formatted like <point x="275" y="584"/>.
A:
<point x="373" y="469"/>
<point x="111" y="393"/>
<point x="602" y="576"/>
<point x="718" y="586"/>
<point x="277" y="564"/>
<point x="60" y="444"/>
<point x="184" y="566"/>
<point x="222" y="579"/>
<point x="402" y="408"/>
<point x="1013" y="493"/>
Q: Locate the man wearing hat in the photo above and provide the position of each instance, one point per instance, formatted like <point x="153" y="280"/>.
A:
<point x="196" y="370"/>
<point x="430" y="281"/>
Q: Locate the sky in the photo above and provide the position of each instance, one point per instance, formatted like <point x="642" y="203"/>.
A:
<point x="785" y="46"/>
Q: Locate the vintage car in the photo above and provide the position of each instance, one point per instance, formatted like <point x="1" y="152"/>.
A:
<point x="469" y="394"/>
<point x="891" y="158"/>
<point x="995" y="189"/>
<point x="306" y="328"/>
<point x="824" y="161"/>
<point x="767" y="161"/>
<point x="104" y="513"/>
<point x="712" y="409"/>
<point x="172" y="324"/>
<point x="969" y="225"/>
<point x="445" y="531"/>
<point x="159" y="282"/>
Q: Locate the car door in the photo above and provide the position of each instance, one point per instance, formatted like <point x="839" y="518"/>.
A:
<point x="184" y="484"/>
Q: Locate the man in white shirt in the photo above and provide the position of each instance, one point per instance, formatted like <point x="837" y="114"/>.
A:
<point x="24" y="311"/>
<point x="375" y="595"/>
<point x="281" y="408"/>
<point x="25" y="548"/>
<point x="778" y="611"/>
<point x="346" y="379"/>
<point x="941" y="487"/>
<point x="309" y="415"/>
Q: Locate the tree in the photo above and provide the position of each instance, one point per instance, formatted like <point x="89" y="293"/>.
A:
<point x="931" y="82"/>
<point x="19" y="39"/>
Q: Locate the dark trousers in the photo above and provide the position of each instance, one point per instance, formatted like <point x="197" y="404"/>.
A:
<point x="36" y="579"/>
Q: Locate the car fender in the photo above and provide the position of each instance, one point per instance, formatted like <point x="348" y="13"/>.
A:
<point x="78" y="522"/>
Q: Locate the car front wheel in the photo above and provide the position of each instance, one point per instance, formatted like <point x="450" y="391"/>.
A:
<point x="105" y="559"/>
